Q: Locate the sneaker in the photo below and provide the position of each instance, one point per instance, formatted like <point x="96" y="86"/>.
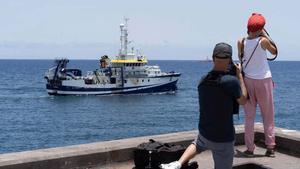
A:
<point x="172" y="165"/>
<point x="248" y="153"/>
<point x="270" y="153"/>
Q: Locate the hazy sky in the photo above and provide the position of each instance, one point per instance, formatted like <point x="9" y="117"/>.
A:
<point x="162" y="29"/>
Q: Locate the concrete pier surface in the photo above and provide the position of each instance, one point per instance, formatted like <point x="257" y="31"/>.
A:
<point x="205" y="161"/>
<point x="118" y="154"/>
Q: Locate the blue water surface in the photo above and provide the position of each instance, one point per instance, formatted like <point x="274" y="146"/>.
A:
<point x="31" y="119"/>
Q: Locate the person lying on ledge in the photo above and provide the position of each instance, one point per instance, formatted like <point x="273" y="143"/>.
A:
<point x="220" y="93"/>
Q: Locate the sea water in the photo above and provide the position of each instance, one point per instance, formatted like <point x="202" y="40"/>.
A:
<point x="31" y="119"/>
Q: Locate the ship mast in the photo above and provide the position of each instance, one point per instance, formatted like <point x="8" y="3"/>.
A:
<point x="124" y="39"/>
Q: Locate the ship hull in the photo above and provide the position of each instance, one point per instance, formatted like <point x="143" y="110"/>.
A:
<point x="139" y="89"/>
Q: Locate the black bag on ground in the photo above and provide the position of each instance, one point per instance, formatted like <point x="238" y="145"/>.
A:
<point x="152" y="154"/>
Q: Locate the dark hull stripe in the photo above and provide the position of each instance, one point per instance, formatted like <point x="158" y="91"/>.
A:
<point x="156" y="89"/>
<point x="83" y="89"/>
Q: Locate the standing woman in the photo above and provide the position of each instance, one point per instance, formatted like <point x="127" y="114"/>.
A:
<point x="252" y="52"/>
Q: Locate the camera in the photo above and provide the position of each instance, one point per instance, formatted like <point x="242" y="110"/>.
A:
<point x="231" y="70"/>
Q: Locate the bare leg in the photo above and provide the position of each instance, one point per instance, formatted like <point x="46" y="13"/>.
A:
<point x="188" y="154"/>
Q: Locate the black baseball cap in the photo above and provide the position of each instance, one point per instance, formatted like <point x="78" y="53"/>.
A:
<point x="222" y="51"/>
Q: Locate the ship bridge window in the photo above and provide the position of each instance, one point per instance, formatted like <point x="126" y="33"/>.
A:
<point x="143" y="80"/>
<point x="148" y="80"/>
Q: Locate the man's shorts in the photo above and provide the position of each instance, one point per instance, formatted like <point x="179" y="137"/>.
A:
<point x="222" y="152"/>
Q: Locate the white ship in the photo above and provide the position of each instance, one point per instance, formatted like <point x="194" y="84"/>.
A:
<point x="127" y="73"/>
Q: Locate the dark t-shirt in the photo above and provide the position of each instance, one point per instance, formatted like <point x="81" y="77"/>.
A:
<point x="216" y="104"/>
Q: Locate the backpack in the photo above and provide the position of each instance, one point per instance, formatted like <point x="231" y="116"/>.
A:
<point x="151" y="154"/>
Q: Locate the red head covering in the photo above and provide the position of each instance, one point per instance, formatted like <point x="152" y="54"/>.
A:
<point x="256" y="22"/>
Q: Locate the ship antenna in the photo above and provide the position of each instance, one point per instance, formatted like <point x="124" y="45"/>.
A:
<point x="124" y="38"/>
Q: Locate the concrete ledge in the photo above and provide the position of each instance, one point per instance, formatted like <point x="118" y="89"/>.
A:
<point x="86" y="155"/>
<point x="288" y="141"/>
<point x="101" y="153"/>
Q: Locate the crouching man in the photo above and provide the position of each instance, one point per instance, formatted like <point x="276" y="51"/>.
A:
<point x="220" y="94"/>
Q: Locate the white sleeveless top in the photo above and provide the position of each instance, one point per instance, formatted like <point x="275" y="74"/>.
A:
<point x="258" y="67"/>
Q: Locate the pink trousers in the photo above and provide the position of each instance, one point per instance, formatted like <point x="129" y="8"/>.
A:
<point x="260" y="92"/>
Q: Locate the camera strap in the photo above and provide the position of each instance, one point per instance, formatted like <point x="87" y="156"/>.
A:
<point x="273" y="43"/>
<point x="242" y="52"/>
<point x="212" y="79"/>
